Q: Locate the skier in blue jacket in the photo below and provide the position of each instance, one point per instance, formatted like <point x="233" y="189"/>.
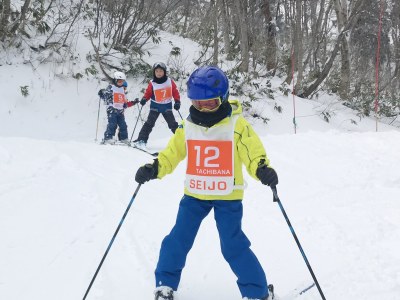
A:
<point x="114" y="96"/>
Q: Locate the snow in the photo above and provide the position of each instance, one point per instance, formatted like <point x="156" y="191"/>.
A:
<point x="62" y="196"/>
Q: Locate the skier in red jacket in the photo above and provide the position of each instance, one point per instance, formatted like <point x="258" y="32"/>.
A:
<point x="161" y="90"/>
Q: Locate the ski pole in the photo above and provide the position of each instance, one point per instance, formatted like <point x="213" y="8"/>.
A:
<point x="141" y="119"/>
<point x="180" y="114"/>
<point x="276" y="199"/>
<point x="140" y="110"/>
<point x="98" y="115"/>
<point x="112" y="241"/>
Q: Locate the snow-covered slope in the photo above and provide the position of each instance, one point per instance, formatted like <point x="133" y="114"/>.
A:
<point x="61" y="203"/>
<point x="62" y="197"/>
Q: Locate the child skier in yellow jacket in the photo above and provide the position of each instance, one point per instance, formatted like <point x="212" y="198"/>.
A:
<point x="216" y="140"/>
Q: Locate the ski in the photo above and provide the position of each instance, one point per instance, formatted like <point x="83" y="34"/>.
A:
<point x="116" y="143"/>
<point x="297" y="292"/>
<point x="306" y="289"/>
<point x="154" y="154"/>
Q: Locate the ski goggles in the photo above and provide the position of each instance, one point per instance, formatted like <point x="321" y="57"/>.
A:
<point x="159" y="65"/>
<point x="120" y="82"/>
<point x="207" y="105"/>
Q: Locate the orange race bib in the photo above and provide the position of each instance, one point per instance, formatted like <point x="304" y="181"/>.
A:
<point x="163" y="94"/>
<point x="209" y="167"/>
<point x="119" y="98"/>
<point x="209" y="158"/>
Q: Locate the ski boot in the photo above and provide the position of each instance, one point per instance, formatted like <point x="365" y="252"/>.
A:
<point x="140" y="144"/>
<point x="164" y="293"/>
<point x="125" y="141"/>
<point x="271" y="295"/>
<point x="108" y="142"/>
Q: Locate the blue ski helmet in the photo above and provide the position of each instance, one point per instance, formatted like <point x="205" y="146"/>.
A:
<point x="208" y="82"/>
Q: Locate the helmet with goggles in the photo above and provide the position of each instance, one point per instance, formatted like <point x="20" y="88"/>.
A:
<point x="160" y="65"/>
<point x="208" y="88"/>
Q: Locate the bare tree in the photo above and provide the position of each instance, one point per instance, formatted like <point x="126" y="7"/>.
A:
<point x="328" y="65"/>
<point x="271" y="58"/>
<point x="22" y="18"/>
<point x="225" y="28"/>
<point x="215" y="33"/>
<point x="5" y="17"/>
<point x="298" y="46"/>
<point x="341" y="13"/>
<point x="186" y="15"/>
<point x="396" y="41"/>
<point x="241" y="10"/>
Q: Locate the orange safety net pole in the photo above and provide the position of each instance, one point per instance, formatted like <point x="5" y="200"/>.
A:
<point x="293" y="93"/>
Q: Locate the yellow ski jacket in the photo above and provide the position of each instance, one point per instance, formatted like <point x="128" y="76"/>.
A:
<point x="248" y="150"/>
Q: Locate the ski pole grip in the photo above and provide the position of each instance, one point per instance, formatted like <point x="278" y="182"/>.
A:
<point x="275" y="193"/>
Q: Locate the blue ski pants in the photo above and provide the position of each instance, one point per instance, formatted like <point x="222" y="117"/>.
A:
<point x="116" y="118"/>
<point x="235" y="246"/>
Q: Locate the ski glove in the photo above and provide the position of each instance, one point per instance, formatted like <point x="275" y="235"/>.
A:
<point x="147" y="172"/>
<point x="177" y="105"/>
<point x="131" y="103"/>
<point x="143" y="101"/>
<point x="266" y="174"/>
<point x="101" y="93"/>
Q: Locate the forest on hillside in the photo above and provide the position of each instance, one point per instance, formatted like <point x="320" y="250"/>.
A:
<point x="346" y="47"/>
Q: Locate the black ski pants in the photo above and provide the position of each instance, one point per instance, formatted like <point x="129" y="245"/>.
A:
<point x="151" y="121"/>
